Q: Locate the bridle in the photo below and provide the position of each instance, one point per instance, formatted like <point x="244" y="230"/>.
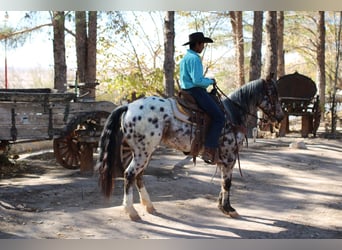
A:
<point x="219" y="93"/>
<point x="271" y="97"/>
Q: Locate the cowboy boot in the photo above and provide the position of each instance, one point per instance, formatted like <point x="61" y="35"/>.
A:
<point x="210" y="155"/>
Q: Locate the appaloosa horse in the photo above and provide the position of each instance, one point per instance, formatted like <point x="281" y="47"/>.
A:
<point x="145" y="123"/>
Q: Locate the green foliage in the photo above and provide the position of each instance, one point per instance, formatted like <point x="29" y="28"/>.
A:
<point x="132" y="85"/>
<point x="130" y="59"/>
<point x="16" y="35"/>
<point x="301" y="37"/>
<point x="12" y="41"/>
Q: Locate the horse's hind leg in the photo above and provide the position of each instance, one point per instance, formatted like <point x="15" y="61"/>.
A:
<point x="144" y="196"/>
<point x="133" y="174"/>
<point x="129" y="177"/>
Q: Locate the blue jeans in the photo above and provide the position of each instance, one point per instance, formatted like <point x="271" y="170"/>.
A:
<point x="206" y="102"/>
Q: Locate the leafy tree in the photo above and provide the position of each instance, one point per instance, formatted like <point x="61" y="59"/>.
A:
<point x="128" y="73"/>
<point x="317" y="46"/>
<point x="16" y="36"/>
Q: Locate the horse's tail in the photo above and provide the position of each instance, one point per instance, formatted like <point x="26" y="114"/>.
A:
<point x="109" y="164"/>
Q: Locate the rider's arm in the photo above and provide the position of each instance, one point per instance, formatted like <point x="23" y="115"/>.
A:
<point x="196" y="73"/>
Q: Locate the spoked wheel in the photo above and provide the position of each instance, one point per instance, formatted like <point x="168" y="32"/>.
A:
<point x="125" y="154"/>
<point x="67" y="151"/>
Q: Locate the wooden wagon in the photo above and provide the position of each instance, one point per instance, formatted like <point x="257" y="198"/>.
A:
<point x="297" y="94"/>
<point x="43" y="114"/>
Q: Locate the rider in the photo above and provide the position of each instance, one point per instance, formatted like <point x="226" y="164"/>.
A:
<point x="193" y="81"/>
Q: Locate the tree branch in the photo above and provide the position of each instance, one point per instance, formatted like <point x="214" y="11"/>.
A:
<point x="9" y="35"/>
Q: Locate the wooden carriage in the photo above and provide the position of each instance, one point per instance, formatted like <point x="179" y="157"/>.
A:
<point x="73" y="124"/>
<point x="297" y="94"/>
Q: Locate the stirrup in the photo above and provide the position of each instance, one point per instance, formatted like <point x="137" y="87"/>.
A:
<point x="210" y="156"/>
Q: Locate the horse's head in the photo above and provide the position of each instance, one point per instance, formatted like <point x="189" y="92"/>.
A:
<point x="270" y="104"/>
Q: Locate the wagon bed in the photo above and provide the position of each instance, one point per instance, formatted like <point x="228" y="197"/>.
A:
<point x="297" y="94"/>
<point x="44" y="114"/>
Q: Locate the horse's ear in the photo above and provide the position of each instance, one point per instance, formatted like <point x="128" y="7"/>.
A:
<point x="270" y="76"/>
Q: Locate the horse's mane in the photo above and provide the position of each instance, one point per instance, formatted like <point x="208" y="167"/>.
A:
<point x="243" y="101"/>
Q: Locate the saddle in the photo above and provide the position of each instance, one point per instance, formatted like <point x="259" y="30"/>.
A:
<point x="187" y="110"/>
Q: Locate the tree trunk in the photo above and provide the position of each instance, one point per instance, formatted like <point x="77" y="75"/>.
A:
<point x="91" y="54"/>
<point x="169" y="48"/>
<point x="336" y="76"/>
<point x="321" y="59"/>
<point x="81" y="49"/>
<point x="271" y="44"/>
<point x="60" y="67"/>
<point x="236" y="21"/>
<point x="86" y="52"/>
<point x="255" y="65"/>
<point x="280" y="47"/>
<point x="255" y="62"/>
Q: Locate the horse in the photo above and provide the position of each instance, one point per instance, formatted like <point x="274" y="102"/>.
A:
<point x="144" y="124"/>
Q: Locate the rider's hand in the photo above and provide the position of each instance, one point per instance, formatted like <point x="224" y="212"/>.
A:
<point x="214" y="82"/>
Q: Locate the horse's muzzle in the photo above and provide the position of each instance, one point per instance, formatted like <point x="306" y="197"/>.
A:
<point x="280" y="117"/>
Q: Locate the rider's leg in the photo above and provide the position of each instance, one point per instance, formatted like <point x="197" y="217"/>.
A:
<point x="206" y="102"/>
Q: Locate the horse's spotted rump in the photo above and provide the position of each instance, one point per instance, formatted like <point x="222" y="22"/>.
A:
<point x="147" y="123"/>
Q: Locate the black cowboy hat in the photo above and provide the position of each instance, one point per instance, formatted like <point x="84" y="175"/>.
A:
<point x="198" y="37"/>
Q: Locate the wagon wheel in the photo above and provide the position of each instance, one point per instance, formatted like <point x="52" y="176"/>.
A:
<point x="126" y="154"/>
<point x="67" y="151"/>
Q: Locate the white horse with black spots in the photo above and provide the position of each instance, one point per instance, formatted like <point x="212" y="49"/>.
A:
<point x="139" y="127"/>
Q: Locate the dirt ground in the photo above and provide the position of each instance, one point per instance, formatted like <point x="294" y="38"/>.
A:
<point x="285" y="192"/>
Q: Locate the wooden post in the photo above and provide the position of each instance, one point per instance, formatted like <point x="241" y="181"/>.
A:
<point x="284" y="124"/>
<point x="86" y="158"/>
<point x="305" y="125"/>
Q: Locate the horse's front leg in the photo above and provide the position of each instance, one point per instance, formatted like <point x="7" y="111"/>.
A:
<point x="144" y="196"/>
<point x="226" y="182"/>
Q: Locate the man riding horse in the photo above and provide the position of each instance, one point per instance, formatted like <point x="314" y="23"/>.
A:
<point x="193" y="81"/>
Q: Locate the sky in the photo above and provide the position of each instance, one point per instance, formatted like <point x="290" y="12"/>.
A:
<point x="36" y="52"/>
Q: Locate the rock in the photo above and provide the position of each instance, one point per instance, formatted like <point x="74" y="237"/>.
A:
<point x="298" y="145"/>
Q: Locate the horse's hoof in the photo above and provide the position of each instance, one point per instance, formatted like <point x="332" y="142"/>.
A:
<point x="134" y="217"/>
<point x="151" y="210"/>
<point x="234" y="215"/>
<point x="132" y="213"/>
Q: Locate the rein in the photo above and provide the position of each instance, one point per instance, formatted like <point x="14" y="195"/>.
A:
<point x="220" y="92"/>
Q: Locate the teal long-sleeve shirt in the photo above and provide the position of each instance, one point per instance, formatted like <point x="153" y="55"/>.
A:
<point x="191" y="72"/>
